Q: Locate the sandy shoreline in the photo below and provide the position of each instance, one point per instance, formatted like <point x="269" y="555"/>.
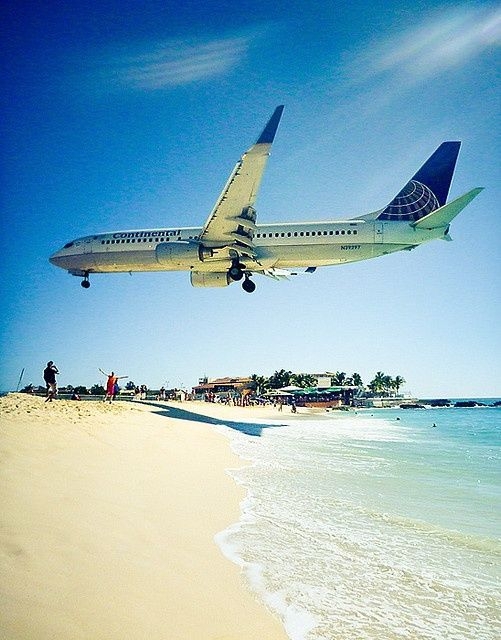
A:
<point x="108" y="519"/>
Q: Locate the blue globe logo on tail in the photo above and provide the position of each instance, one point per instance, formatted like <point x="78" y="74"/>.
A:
<point x="415" y="201"/>
<point x="427" y="190"/>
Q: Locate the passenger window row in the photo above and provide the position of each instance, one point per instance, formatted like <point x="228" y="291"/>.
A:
<point x="132" y="240"/>
<point x="290" y="234"/>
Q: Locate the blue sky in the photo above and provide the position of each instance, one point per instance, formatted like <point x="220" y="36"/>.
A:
<point x="132" y="114"/>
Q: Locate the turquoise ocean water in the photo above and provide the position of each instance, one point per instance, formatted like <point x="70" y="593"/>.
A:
<point x="375" y="525"/>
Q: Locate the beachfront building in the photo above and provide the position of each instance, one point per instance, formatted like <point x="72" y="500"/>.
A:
<point x="315" y="397"/>
<point x="323" y="380"/>
<point x="222" y="389"/>
<point x="326" y="393"/>
<point x="243" y="390"/>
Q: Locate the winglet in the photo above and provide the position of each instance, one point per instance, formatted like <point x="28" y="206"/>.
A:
<point x="270" y="130"/>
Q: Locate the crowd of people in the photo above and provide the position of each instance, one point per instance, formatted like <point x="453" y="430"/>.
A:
<point x="112" y="390"/>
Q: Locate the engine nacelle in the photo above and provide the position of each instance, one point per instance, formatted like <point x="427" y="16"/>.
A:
<point x="209" y="279"/>
<point x="182" y="255"/>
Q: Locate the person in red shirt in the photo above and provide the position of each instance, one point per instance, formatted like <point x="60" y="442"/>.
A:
<point x="110" y="384"/>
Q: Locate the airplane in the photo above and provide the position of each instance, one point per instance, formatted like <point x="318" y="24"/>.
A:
<point x="231" y="246"/>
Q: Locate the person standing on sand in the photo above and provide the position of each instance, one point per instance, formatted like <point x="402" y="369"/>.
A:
<point x="49" y="375"/>
<point x="110" y="384"/>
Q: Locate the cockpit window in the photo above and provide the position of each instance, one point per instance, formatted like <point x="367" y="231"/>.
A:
<point x="68" y="245"/>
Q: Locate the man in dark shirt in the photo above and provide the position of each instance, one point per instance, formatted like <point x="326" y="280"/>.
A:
<point x="49" y="375"/>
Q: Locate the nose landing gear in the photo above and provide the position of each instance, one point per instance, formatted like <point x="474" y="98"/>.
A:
<point x="85" y="282"/>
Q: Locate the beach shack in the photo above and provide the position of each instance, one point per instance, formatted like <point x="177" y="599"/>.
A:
<point x="315" y="397"/>
<point x="221" y="389"/>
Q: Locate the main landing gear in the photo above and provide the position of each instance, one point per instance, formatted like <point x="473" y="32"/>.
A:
<point x="85" y="282"/>
<point x="236" y="272"/>
<point x="248" y="285"/>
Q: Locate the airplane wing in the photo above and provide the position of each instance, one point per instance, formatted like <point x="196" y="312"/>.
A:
<point x="231" y="222"/>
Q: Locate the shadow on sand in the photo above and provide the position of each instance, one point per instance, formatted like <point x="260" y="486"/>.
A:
<point x="249" y="428"/>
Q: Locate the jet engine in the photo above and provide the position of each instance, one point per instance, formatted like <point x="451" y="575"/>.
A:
<point x="181" y="254"/>
<point x="209" y="279"/>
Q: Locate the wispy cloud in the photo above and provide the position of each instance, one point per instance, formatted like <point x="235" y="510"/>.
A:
<point x="174" y="63"/>
<point x="439" y="43"/>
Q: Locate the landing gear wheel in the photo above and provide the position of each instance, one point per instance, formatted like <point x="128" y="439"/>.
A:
<point x="235" y="273"/>
<point x="85" y="282"/>
<point x="248" y="285"/>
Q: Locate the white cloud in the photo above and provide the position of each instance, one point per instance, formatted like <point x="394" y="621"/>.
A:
<point x="174" y="63"/>
<point x="442" y="41"/>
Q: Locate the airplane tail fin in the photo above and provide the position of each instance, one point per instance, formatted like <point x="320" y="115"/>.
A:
<point x="428" y="189"/>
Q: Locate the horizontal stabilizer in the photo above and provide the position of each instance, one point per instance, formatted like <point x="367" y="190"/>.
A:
<point x="442" y="217"/>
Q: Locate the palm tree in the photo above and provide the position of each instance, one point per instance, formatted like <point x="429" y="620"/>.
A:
<point x="398" y="381"/>
<point x="303" y="380"/>
<point x="279" y="379"/>
<point x="357" y="380"/>
<point x="387" y="384"/>
<point x="376" y="385"/>
<point x="339" y="378"/>
<point x="259" y="383"/>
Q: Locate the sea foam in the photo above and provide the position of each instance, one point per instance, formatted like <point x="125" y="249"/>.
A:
<point x="365" y="527"/>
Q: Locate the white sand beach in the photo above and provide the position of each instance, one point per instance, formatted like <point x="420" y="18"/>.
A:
<point x="108" y="519"/>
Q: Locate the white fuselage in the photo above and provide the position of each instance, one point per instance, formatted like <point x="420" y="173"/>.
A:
<point x="278" y="245"/>
<point x="232" y="247"/>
